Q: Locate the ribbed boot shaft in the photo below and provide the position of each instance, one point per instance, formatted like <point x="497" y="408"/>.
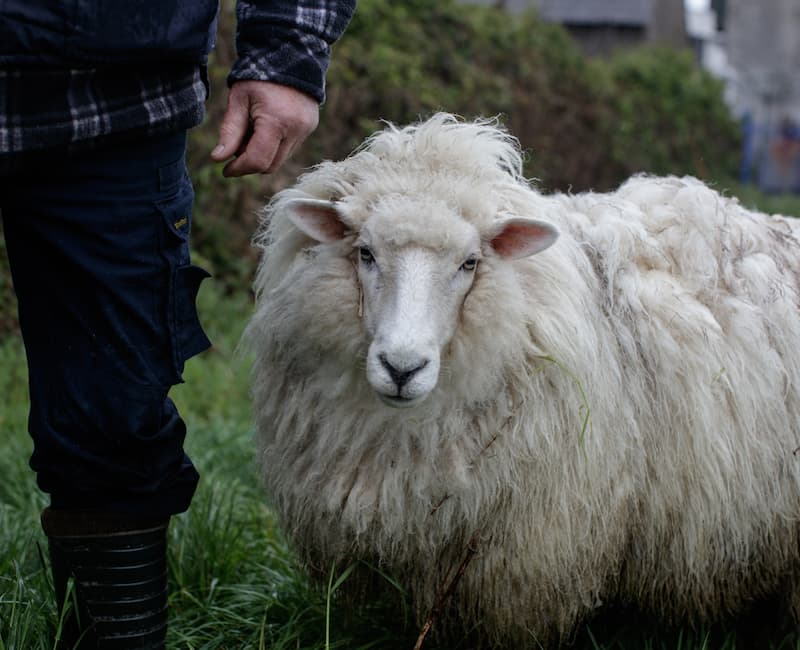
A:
<point x="120" y="582"/>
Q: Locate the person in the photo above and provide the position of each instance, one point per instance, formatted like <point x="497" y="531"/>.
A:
<point x="95" y="102"/>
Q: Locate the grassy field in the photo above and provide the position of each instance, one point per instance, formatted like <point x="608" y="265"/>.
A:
<point x="233" y="581"/>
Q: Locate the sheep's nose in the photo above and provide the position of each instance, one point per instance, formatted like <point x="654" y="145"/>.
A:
<point x="401" y="374"/>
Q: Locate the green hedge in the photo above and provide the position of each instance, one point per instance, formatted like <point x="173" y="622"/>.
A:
<point x="587" y="123"/>
<point x="668" y="116"/>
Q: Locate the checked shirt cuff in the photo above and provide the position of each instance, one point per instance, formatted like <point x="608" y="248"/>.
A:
<point x="288" y="57"/>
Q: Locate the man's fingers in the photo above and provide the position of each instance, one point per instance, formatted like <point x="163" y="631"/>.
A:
<point x="259" y="153"/>
<point x="263" y="124"/>
<point x="233" y="130"/>
<point x="285" y="151"/>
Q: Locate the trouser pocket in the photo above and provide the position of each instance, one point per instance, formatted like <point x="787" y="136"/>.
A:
<point x="186" y="333"/>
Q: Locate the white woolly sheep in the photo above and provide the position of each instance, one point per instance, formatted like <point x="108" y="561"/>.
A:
<point x="612" y="419"/>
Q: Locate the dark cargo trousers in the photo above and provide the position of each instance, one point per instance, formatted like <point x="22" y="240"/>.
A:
<point x="99" y="250"/>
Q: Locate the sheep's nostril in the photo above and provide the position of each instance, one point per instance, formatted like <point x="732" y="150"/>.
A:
<point x="401" y="374"/>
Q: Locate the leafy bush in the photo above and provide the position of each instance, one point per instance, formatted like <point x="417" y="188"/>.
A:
<point x="588" y="123"/>
<point x="403" y="62"/>
<point x="668" y="116"/>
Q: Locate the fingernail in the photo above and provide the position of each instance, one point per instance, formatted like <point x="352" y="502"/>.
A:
<point x="218" y="150"/>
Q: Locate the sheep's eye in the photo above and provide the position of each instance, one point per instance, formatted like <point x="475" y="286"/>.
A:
<point x="366" y="256"/>
<point x="470" y="265"/>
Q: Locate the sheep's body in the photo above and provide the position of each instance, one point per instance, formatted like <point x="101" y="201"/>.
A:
<point x="617" y="416"/>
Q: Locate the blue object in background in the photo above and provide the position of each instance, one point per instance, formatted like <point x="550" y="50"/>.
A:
<point x="779" y="168"/>
<point x="748" y="153"/>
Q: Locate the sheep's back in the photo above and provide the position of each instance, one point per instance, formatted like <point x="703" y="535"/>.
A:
<point x="702" y="297"/>
<point x="617" y="417"/>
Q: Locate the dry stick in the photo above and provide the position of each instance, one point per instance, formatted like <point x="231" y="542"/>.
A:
<point x="439" y="505"/>
<point x="438" y="606"/>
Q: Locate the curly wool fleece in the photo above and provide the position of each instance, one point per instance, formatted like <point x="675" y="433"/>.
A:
<point x="616" y="417"/>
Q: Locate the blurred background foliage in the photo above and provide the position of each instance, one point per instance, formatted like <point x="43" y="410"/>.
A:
<point x="584" y="123"/>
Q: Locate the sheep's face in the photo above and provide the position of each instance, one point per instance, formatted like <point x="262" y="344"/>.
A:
<point x="412" y="294"/>
<point x="415" y="269"/>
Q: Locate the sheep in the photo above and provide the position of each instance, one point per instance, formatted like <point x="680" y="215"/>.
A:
<point x="571" y="399"/>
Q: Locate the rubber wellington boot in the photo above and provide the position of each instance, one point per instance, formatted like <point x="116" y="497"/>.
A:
<point x="119" y="569"/>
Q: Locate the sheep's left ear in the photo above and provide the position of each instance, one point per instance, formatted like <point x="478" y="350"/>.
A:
<point x="318" y="219"/>
<point x="517" y="237"/>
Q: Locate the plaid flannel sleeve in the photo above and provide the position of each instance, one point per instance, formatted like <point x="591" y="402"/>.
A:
<point x="288" y="42"/>
<point x="42" y="108"/>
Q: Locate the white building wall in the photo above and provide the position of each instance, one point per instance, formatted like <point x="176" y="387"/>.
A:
<point x="762" y="40"/>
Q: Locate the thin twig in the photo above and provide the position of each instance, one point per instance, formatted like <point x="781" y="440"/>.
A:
<point x="495" y="436"/>
<point x="439" y="505"/>
<point x="441" y="601"/>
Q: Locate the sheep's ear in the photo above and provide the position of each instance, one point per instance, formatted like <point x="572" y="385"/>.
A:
<point x="318" y="219"/>
<point x="517" y="237"/>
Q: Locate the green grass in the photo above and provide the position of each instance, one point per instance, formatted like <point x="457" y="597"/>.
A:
<point x="234" y="583"/>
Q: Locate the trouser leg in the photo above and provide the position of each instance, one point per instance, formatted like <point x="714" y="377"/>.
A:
<point x="99" y="253"/>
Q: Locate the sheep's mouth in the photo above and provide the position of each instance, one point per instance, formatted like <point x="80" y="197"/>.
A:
<point x="398" y="401"/>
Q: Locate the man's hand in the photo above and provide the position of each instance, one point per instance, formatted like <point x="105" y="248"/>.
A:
<point x="264" y="122"/>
